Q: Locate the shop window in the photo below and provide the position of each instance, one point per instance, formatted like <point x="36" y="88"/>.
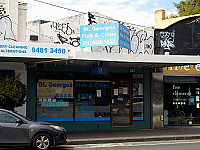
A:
<point x="182" y="103"/>
<point x="55" y="100"/>
<point x="92" y="100"/>
<point x="138" y="97"/>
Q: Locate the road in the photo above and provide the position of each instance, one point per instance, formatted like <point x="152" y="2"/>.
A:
<point x="159" y="145"/>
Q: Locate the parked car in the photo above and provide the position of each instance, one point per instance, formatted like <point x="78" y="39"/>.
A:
<point x="17" y="130"/>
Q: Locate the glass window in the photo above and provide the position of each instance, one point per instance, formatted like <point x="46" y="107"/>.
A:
<point x="138" y="97"/>
<point x="7" y="118"/>
<point x="92" y="100"/>
<point x="181" y="103"/>
<point x="55" y="100"/>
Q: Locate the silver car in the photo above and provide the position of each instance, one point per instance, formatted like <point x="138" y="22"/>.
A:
<point x="17" y="130"/>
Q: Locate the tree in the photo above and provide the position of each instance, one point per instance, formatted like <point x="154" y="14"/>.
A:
<point x="171" y="16"/>
<point x="188" y="7"/>
<point x="12" y="92"/>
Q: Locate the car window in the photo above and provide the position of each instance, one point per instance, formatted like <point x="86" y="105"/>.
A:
<point x="7" y="117"/>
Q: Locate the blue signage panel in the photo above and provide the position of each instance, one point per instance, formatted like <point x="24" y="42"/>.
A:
<point x="104" y="35"/>
<point x="99" y="35"/>
<point x="96" y="70"/>
<point x="124" y="37"/>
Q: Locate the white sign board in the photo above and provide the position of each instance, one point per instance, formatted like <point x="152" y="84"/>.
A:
<point x="33" y="50"/>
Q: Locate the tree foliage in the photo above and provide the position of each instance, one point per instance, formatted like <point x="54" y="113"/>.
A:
<point x="171" y="16"/>
<point x="188" y="7"/>
<point x="12" y="92"/>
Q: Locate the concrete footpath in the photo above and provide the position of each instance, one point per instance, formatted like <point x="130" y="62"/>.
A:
<point x="135" y="135"/>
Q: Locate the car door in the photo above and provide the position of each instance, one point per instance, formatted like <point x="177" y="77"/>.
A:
<point x="10" y="131"/>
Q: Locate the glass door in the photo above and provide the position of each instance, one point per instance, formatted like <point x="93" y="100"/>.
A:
<point x="121" y="103"/>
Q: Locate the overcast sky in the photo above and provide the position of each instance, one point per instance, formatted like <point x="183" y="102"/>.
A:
<point x="139" y="12"/>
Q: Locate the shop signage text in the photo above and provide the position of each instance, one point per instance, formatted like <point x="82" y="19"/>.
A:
<point x="105" y="35"/>
<point x="52" y="84"/>
<point x="33" y="50"/>
<point x="182" y="69"/>
<point x="54" y="89"/>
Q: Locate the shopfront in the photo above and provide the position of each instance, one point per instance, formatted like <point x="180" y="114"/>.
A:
<point x="181" y="95"/>
<point x="80" y="100"/>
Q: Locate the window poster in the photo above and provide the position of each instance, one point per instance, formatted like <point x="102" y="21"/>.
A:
<point x="121" y="90"/>
<point x="197" y="98"/>
<point x="115" y="92"/>
<point x="192" y="101"/>
<point x="125" y="90"/>
<point x="54" y="89"/>
<point x="98" y="93"/>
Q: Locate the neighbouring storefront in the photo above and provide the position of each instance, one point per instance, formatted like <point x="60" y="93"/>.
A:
<point x="178" y="102"/>
<point x="181" y="95"/>
<point x="181" y="100"/>
<point x="79" y="99"/>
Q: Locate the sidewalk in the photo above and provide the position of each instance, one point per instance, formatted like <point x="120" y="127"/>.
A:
<point x="136" y="135"/>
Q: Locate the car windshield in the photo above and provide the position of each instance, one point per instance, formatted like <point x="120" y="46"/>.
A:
<point x="23" y="116"/>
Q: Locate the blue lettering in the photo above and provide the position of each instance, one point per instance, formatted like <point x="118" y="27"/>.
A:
<point x="82" y="85"/>
<point x="40" y="84"/>
<point x="79" y="96"/>
<point x="102" y="109"/>
<point x="100" y="85"/>
<point x="90" y="85"/>
<point x="87" y="96"/>
<point x="77" y="85"/>
<point x="96" y="85"/>
<point x="50" y="84"/>
<point x="69" y="95"/>
<point x="64" y="86"/>
<point x="85" y="85"/>
<point x="90" y="96"/>
<point x="65" y="95"/>
<point x="82" y="96"/>
<point x="44" y="85"/>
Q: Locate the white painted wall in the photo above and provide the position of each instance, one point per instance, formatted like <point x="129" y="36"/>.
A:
<point x="17" y="12"/>
<point x="22" y="19"/>
<point x="16" y="28"/>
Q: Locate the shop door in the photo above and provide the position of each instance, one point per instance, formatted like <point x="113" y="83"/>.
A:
<point x="121" y="103"/>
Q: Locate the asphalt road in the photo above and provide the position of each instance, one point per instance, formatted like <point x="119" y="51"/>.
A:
<point x="160" y="145"/>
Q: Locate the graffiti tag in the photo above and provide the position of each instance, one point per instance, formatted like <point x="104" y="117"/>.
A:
<point x="142" y="41"/>
<point x="64" y="34"/>
<point x="6" y="32"/>
<point x="167" y="40"/>
<point x="91" y="19"/>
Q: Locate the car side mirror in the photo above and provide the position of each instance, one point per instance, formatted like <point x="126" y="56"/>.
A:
<point x="19" y="121"/>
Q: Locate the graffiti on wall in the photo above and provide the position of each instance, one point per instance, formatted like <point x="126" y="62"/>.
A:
<point x="142" y="41"/>
<point x="6" y="32"/>
<point x="167" y="40"/>
<point x="65" y="34"/>
<point x="91" y="19"/>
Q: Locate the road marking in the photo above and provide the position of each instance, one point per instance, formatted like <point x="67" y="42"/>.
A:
<point x="133" y="144"/>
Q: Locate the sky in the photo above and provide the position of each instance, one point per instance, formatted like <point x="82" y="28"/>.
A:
<point x="140" y="12"/>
